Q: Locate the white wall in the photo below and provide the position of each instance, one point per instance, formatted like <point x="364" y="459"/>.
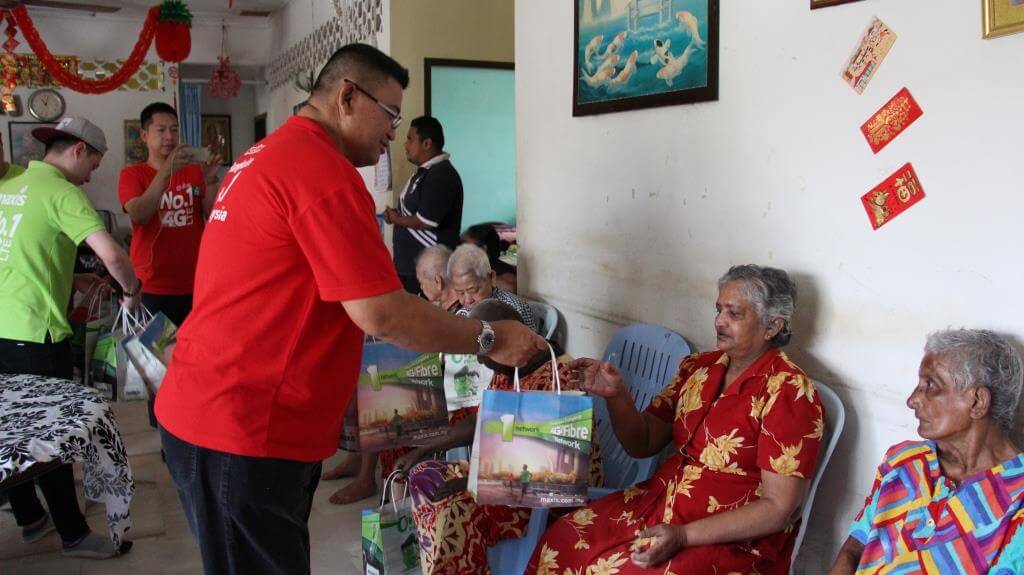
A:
<point x="632" y="216"/>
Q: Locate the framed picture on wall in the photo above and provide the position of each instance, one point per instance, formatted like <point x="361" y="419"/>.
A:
<point x="630" y="55"/>
<point x="24" y="147"/>
<point x="827" y="3"/>
<point x="134" y="148"/>
<point x="216" y="134"/>
<point x="1001" y="17"/>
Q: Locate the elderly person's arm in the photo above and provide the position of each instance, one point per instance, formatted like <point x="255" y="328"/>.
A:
<point x="780" y="500"/>
<point x="641" y="434"/>
<point x="848" y="558"/>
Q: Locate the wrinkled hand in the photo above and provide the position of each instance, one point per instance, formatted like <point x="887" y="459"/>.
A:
<point x="515" y="344"/>
<point x="598" y="378"/>
<point x="668" y="540"/>
<point x="407" y="461"/>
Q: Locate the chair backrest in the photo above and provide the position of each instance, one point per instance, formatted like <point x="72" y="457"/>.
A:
<point x="835" y="419"/>
<point x="547" y="319"/>
<point x="648" y="356"/>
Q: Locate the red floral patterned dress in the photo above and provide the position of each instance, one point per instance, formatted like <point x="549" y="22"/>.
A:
<point x="770" y="419"/>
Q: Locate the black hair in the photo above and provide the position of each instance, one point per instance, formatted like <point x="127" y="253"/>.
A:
<point x="61" y="143"/>
<point x="429" y="127"/>
<point x="359" y="63"/>
<point x="146" y="117"/>
<point x="485" y="237"/>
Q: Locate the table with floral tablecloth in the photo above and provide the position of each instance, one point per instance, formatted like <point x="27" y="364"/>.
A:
<point x="44" y="419"/>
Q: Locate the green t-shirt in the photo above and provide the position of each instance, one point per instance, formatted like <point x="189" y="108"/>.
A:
<point x="525" y="476"/>
<point x="43" y="217"/>
<point x="13" y="171"/>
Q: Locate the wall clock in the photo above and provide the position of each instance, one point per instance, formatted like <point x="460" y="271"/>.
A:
<point x="46" y="105"/>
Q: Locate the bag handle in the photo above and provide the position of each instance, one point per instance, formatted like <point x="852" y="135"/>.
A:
<point x="390" y="480"/>
<point x="131" y="321"/>
<point x="554" y="373"/>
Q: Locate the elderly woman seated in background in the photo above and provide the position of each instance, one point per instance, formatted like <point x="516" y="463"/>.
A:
<point x="952" y="503"/>
<point x="746" y="425"/>
<point x="485" y="237"/>
<point x="473" y="280"/>
<point x="432" y="274"/>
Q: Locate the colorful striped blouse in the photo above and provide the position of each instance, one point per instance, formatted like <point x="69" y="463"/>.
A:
<point x="917" y="521"/>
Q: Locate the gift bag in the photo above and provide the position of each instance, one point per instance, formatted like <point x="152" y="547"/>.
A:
<point x="399" y="398"/>
<point x="350" y="427"/>
<point x="112" y="374"/>
<point x="465" y="378"/>
<point x="532" y="448"/>
<point x="145" y="350"/>
<point x="390" y="546"/>
<point x="92" y="314"/>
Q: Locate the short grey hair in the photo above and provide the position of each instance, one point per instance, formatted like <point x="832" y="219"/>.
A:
<point x="771" y="291"/>
<point x="433" y="261"/>
<point x="983" y="358"/>
<point x="469" y="259"/>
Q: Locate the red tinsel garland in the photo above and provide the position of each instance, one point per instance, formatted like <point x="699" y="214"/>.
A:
<point x="74" y="81"/>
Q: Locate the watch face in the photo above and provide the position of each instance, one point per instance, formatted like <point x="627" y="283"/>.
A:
<point x="46" y="105"/>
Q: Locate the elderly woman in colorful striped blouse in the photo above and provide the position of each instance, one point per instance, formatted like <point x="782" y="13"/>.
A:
<point x="953" y="503"/>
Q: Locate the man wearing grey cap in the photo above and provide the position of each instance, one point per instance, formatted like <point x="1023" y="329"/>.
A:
<point x="44" y="215"/>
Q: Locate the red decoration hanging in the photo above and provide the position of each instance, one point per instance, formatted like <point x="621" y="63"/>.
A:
<point x="73" y="81"/>
<point x="173" y="35"/>
<point x="224" y="82"/>
<point x="10" y="71"/>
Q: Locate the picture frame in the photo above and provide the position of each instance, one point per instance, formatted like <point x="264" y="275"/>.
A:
<point x="135" y="151"/>
<point x="815" y="4"/>
<point x="22" y="144"/>
<point x="1001" y="17"/>
<point x="665" y="54"/>
<point x="215" y="133"/>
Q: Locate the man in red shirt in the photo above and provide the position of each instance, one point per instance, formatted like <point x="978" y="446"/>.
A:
<point x="292" y="271"/>
<point x="166" y="199"/>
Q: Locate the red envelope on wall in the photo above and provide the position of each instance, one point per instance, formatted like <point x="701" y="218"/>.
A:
<point x="888" y="122"/>
<point x="893" y="196"/>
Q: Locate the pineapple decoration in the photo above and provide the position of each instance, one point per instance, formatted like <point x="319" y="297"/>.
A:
<point x="173" y="38"/>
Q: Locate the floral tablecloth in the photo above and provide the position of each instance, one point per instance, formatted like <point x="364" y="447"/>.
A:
<point x="45" y="419"/>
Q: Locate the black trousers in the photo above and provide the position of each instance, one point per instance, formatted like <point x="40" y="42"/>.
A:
<point x="58" y="486"/>
<point x="249" y="515"/>
<point x="176" y="308"/>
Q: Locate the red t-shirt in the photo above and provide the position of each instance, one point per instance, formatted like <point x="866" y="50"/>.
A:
<point x="164" y="251"/>
<point x="267" y="360"/>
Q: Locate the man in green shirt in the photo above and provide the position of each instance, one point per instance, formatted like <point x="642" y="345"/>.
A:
<point x="8" y="171"/>
<point x="524" y="480"/>
<point x="44" y="215"/>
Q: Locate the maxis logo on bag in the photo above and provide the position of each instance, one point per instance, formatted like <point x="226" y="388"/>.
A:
<point x="178" y="207"/>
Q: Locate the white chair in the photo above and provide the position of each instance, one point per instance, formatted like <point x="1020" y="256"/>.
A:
<point x="835" y="419"/>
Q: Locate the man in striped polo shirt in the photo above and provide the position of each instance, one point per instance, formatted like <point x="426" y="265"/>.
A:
<point x="430" y="208"/>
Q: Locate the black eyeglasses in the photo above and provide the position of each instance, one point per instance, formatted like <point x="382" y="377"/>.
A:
<point x="396" y="118"/>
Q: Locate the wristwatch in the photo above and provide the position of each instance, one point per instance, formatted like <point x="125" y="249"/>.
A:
<point x="485" y="340"/>
<point x="134" y="292"/>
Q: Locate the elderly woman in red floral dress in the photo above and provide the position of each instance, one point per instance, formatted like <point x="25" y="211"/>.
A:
<point x="746" y="425"/>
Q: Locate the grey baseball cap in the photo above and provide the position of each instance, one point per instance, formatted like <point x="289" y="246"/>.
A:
<point x="78" y="128"/>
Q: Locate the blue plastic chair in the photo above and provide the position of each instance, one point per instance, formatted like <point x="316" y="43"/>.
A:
<point x="835" y="419"/>
<point x="647" y="355"/>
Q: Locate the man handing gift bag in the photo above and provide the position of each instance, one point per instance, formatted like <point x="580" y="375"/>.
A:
<point x="400" y="398"/>
<point x="532" y="448"/>
<point x="389" y="535"/>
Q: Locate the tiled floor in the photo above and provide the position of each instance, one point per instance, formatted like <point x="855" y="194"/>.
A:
<point x="163" y="543"/>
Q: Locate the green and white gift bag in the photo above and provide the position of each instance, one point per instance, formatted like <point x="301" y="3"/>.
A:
<point x="532" y="448"/>
<point x="465" y="379"/>
<point x="390" y="546"/>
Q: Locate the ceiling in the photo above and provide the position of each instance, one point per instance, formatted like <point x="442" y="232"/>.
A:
<point x="205" y="9"/>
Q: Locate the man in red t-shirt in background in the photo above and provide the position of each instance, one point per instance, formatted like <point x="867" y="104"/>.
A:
<point x="292" y="271"/>
<point x="166" y="199"/>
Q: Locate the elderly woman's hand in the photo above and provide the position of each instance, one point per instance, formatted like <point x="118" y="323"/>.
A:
<point x="598" y="378"/>
<point x="667" y="541"/>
